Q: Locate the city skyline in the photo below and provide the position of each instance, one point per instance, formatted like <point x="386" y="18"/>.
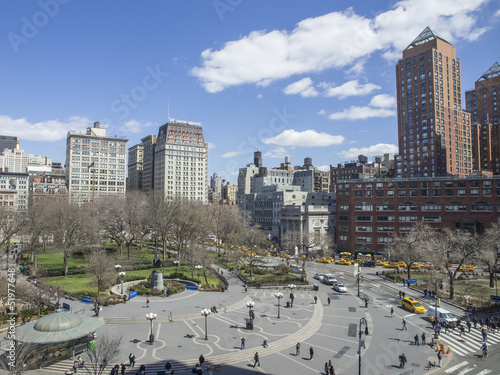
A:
<point x="299" y="79"/>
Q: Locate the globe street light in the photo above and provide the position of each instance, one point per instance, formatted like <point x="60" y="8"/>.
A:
<point x="279" y="296"/>
<point x="122" y="275"/>
<point x="439" y="283"/>
<point x="198" y="267"/>
<point x="205" y="313"/>
<point x="251" y="315"/>
<point x="176" y="263"/>
<point x="291" y="286"/>
<point x="151" y="317"/>
<point x="362" y="322"/>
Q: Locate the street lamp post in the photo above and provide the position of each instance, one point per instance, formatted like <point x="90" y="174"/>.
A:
<point x="151" y="317"/>
<point x="279" y="296"/>
<point x="205" y="313"/>
<point x="440" y="282"/>
<point x="357" y="278"/>
<point x="176" y="264"/>
<point x="251" y="315"/>
<point x="122" y="275"/>
<point x="291" y="286"/>
<point x="198" y="267"/>
<point x="362" y="322"/>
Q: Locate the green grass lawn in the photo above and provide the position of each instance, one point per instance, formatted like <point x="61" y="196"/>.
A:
<point x="56" y="260"/>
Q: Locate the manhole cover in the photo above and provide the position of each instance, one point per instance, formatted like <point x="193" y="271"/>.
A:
<point x="352" y="309"/>
<point x="415" y="364"/>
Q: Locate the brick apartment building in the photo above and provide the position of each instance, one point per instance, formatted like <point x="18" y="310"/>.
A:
<point x="370" y="212"/>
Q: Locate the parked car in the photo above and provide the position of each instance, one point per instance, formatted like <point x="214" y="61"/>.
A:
<point x="357" y="261"/>
<point x="368" y="263"/>
<point x="413" y="305"/>
<point x="340" y="288"/>
<point x="380" y="263"/>
<point x="392" y="265"/>
<point x="319" y="276"/>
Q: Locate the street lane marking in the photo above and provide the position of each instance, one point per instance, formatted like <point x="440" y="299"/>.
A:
<point x="456" y="367"/>
<point x="466" y="370"/>
<point x="408" y="315"/>
<point x="484" y="372"/>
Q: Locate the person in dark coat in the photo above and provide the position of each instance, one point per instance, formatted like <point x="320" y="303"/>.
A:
<point x="256" y="359"/>
<point x="311" y="353"/>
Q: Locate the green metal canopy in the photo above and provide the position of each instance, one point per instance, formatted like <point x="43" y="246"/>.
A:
<point x="58" y="327"/>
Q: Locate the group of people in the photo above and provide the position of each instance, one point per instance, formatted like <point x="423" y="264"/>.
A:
<point x="329" y="368"/>
<point x="429" y="293"/>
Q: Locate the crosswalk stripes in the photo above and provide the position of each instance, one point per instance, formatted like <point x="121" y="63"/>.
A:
<point x="468" y="342"/>
<point x="461" y="369"/>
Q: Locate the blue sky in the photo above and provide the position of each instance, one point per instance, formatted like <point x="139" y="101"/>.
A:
<point x="300" y="78"/>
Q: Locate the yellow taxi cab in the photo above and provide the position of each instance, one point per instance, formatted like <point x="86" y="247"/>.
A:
<point x="380" y="263"/>
<point x="344" y="262"/>
<point x="413" y="305"/>
<point x="415" y="266"/>
<point x="467" y="268"/>
<point x="359" y="261"/>
<point x="426" y="265"/>
<point x="402" y="265"/>
<point x="392" y="265"/>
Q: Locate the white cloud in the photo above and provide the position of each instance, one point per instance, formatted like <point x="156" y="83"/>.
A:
<point x="374" y="150"/>
<point x="211" y="145"/>
<point x="262" y="57"/>
<point x="304" y="87"/>
<point x="497" y="13"/>
<point x="134" y="126"/>
<point x="259" y="96"/>
<point x="44" y="131"/>
<point x="321" y="112"/>
<point x="383" y="101"/>
<point x="307" y="138"/>
<point x="324" y="168"/>
<point x="277" y="153"/>
<point x="230" y="154"/>
<point x="361" y="113"/>
<point x="350" y="88"/>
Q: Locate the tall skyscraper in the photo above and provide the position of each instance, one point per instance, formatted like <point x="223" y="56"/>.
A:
<point x="181" y="161"/>
<point x="482" y="103"/>
<point x="95" y="164"/>
<point x="434" y="132"/>
<point x="135" y="166"/>
<point x="9" y="142"/>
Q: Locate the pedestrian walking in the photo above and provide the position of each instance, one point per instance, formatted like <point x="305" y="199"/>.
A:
<point x="484" y="349"/>
<point x="327" y="368"/>
<point x="416" y="340"/>
<point x="474" y="320"/>
<point x="202" y="360"/>
<point x="242" y="343"/>
<point x="332" y="371"/>
<point x="366" y="302"/>
<point x="423" y="338"/>
<point x="404" y="294"/>
<point x="462" y="329"/>
<point x="402" y="360"/>
<point x="123" y="368"/>
<point x="256" y="359"/>
<point x="147" y="302"/>
<point x="168" y="366"/>
<point x="311" y="353"/>
<point x="484" y="334"/>
<point x="297" y="349"/>
<point x="131" y="359"/>
<point x="440" y="358"/>
<point x="168" y="292"/>
<point x="468" y="325"/>
<point x="399" y="294"/>
<point x="328" y="300"/>
<point x="392" y="311"/>
<point x="404" y="325"/>
<point x="164" y="293"/>
<point x="315" y="299"/>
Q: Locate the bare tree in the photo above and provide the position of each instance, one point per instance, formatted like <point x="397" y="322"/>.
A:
<point x="411" y="247"/>
<point x="222" y="221"/>
<point x="455" y="248"/>
<point x="101" y="267"/>
<point x="69" y="225"/>
<point x="15" y="360"/>
<point x="491" y="251"/>
<point x="11" y="223"/>
<point x="37" y="222"/>
<point x="110" y="219"/>
<point x="107" y="349"/>
<point x="187" y="226"/>
<point x="162" y="214"/>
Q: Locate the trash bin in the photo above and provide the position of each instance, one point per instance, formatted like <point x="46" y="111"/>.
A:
<point x="151" y="338"/>
<point x="287" y="303"/>
<point x="315" y="287"/>
<point x="249" y="324"/>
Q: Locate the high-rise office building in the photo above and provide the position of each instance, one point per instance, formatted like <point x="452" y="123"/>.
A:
<point x="95" y="164"/>
<point x="181" y="162"/>
<point x="9" y="142"/>
<point x="482" y="103"/>
<point x="434" y="132"/>
<point x="135" y="165"/>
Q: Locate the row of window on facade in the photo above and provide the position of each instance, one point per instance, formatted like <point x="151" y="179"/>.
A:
<point x="409" y="206"/>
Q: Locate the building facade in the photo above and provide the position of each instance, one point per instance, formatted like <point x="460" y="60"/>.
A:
<point x="370" y="212"/>
<point x="434" y="133"/>
<point x="135" y="167"/>
<point x="181" y="162"/>
<point x="9" y="142"/>
<point x="482" y="103"/>
<point x="95" y="165"/>
<point x="14" y="189"/>
<point x="45" y="182"/>
<point x="17" y="161"/>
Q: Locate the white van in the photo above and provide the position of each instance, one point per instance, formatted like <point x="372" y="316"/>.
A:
<point x="443" y="316"/>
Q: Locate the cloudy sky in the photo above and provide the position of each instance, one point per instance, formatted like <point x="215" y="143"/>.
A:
<point x="300" y="78"/>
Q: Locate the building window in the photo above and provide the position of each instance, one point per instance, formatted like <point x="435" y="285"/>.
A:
<point x="343" y="218"/>
<point x="385" y="218"/>
<point x="363" y="218"/>
<point x="408" y="206"/>
<point x="431" y="206"/>
<point x="363" y="240"/>
<point x="461" y="192"/>
<point x="385" y="229"/>
<point x="343" y="238"/>
<point x="407" y="218"/>
<point x="486" y="191"/>
<point x="474" y="192"/>
<point x="363" y="206"/>
<point x="385" y="207"/>
<point x="343" y="228"/>
<point x="482" y="206"/>
<point x="432" y="219"/>
<point x="456" y="206"/>
<point x="385" y="240"/>
<point x="363" y="229"/>
<point x="344" y="207"/>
